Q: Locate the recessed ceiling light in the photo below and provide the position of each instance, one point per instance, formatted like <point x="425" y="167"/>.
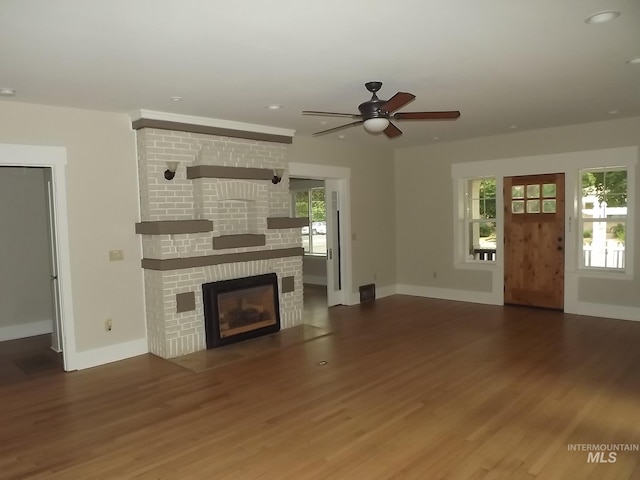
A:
<point x="273" y="107"/>
<point x="7" y="92"/>
<point x="323" y="122"/>
<point x="602" y="17"/>
<point x="342" y="137"/>
<point x="175" y="99"/>
<point x="613" y="112"/>
<point x="513" y="126"/>
<point x="634" y="60"/>
<point x="436" y="138"/>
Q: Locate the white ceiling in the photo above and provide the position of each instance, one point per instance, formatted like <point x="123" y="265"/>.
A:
<point x="530" y="63"/>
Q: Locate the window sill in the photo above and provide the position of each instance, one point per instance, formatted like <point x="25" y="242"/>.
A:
<point x="477" y="265"/>
<point x="603" y="274"/>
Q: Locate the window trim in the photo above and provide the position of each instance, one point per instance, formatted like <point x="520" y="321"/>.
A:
<point x="607" y="272"/>
<point x="461" y="205"/>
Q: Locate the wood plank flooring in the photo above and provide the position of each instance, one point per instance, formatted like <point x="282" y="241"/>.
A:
<point x="28" y="358"/>
<point x="413" y="388"/>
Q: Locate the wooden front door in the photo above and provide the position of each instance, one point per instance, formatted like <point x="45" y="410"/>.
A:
<point x="534" y="240"/>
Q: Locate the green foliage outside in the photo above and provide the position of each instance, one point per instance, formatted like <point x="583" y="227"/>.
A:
<point x="618" y="232"/>
<point x="486" y="229"/>
<point x="318" y="208"/>
<point x="608" y="186"/>
<point x="487" y="200"/>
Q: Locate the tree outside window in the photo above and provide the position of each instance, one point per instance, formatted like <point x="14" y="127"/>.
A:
<point x="480" y="217"/>
<point x="311" y="203"/>
<point x="603" y="218"/>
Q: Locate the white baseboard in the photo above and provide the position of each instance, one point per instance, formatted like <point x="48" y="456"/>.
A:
<point x="314" y="280"/>
<point x="617" y="312"/>
<point x="24" y="330"/>
<point x="112" y="353"/>
<point x="578" y="308"/>
<point x="386" y="291"/>
<point x="487" y="298"/>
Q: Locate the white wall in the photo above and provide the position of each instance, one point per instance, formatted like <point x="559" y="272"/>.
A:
<point x="424" y="204"/>
<point x="25" y="309"/>
<point x="102" y="194"/>
<point x="372" y="203"/>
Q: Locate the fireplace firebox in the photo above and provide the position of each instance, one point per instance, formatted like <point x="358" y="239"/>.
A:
<point x="239" y="309"/>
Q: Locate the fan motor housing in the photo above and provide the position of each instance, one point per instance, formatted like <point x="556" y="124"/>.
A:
<point x="372" y="109"/>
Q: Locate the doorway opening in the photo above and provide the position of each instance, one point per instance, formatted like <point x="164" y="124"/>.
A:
<point x="36" y="317"/>
<point x="321" y="194"/>
<point x="30" y="342"/>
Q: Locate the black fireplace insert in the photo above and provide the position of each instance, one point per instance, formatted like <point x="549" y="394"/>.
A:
<point x="239" y="309"/>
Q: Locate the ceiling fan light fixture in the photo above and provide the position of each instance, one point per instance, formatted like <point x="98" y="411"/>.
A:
<point x="376" y="125"/>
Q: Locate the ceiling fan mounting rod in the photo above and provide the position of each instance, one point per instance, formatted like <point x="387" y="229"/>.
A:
<point x="374" y="107"/>
<point x="373" y="87"/>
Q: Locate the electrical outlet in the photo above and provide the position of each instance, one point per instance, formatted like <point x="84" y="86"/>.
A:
<point x="108" y="325"/>
<point x="116" y="255"/>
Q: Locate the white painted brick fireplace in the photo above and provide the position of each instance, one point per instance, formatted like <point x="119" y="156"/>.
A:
<point x="220" y="218"/>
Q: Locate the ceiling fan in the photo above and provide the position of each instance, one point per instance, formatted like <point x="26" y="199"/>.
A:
<point x="375" y="114"/>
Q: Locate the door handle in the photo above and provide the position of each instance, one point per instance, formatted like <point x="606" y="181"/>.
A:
<point x="330" y="256"/>
<point x="53" y="277"/>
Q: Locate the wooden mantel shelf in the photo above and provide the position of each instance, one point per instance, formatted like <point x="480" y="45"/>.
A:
<point x="208" y="260"/>
<point x="238" y="173"/>
<point x="172" y="227"/>
<point x="274" y="223"/>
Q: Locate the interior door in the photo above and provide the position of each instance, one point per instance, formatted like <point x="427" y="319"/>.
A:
<point x="334" y="284"/>
<point x="56" y="336"/>
<point x="534" y="240"/>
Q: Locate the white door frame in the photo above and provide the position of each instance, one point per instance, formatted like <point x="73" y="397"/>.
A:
<point x="56" y="159"/>
<point x="343" y="176"/>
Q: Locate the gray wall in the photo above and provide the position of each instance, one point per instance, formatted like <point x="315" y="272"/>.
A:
<point x="24" y="253"/>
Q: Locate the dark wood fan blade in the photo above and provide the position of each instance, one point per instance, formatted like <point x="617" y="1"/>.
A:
<point x="451" y="115"/>
<point x="392" y="131"/>
<point x="399" y="100"/>
<point x="338" y="128"/>
<point x="331" y="114"/>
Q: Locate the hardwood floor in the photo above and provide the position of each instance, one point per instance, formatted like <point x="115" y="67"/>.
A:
<point x="412" y="388"/>
<point x="28" y="358"/>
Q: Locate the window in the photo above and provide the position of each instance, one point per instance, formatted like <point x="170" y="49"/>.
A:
<point x="480" y="219"/>
<point x="311" y="203"/>
<point x="603" y="218"/>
